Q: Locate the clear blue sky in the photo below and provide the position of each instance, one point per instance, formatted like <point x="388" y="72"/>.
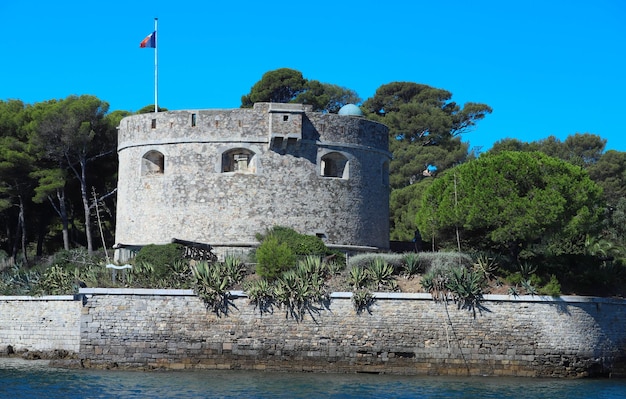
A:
<point x="546" y="67"/>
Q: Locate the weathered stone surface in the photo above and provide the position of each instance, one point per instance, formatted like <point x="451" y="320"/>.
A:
<point x="521" y="337"/>
<point x="524" y="336"/>
<point x="192" y="198"/>
<point x="41" y="325"/>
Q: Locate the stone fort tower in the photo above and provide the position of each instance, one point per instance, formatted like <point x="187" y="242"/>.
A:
<point x="220" y="176"/>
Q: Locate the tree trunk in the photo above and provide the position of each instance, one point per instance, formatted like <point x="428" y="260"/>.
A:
<point x="16" y="240"/>
<point x="61" y="211"/>
<point x="22" y="223"/>
<point x="85" y="197"/>
<point x="64" y="220"/>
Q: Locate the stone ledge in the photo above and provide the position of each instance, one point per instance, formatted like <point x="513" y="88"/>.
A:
<point x="40" y="298"/>
<point x="555" y="300"/>
<point x="336" y="295"/>
<point x="135" y="291"/>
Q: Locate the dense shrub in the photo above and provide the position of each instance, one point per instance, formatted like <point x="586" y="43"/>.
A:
<point x="57" y="281"/>
<point x="273" y="257"/>
<point x="366" y="259"/>
<point x="444" y="260"/>
<point x="160" y="257"/>
<point x="18" y="280"/>
<point x="77" y="257"/>
<point x="299" y="244"/>
<point x="552" y="288"/>
<point x="281" y="247"/>
<point x="61" y="274"/>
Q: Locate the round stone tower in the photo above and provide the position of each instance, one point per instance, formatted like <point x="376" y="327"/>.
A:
<point x="219" y="177"/>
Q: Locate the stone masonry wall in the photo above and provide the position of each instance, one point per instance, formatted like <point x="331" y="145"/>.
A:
<point x="193" y="199"/>
<point x="40" y="323"/>
<point x="401" y="333"/>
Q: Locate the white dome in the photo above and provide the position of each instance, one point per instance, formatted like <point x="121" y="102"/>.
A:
<point x="350" y="109"/>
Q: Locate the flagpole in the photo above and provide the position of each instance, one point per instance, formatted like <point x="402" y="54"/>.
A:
<point x="156" y="69"/>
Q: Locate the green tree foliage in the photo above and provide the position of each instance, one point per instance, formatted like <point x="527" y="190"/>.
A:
<point x="70" y="134"/>
<point x="424" y="128"/>
<point x="417" y="113"/>
<point x="278" y="86"/>
<point x="513" y="202"/>
<point x="615" y="227"/>
<point x="411" y="162"/>
<point x="160" y="257"/>
<point x="16" y="186"/>
<point x="326" y="97"/>
<point x="403" y="206"/>
<point x="273" y="258"/>
<point x="414" y="161"/>
<point x="289" y="86"/>
<point x="150" y="108"/>
<point x="607" y="169"/>
<point x="44" y="153"/>
<point x="610" y="173"/>
<point x="582" y="149"/>
<point x="421" y="116"/>
<point x="299" y="244"/>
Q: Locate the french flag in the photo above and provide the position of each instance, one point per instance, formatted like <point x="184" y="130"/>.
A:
<point x="149" y="41"/>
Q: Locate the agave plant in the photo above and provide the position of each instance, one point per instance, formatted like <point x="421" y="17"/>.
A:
<point x="529" y="287"/>
<point x="362" y="299"/>
<point x="311" y="265"/>
<point x="465" y="286"/>
<point x="19" y="281"/>
<point x="381" y="274"/>
<point x="335" y="267"/>
<point x="435" y="281"/>
<point x="234" y="269"/>
<point x="211" y="286"/>
<point x="319" y="290"/>
<point x="299" y="291"/>
<point x="485" y="266"/>
<point x="412" y="265"/>
<point x="141" y="274"/>
<point x="181" y="268"/>
<point x="292" y="292"/>
<point x="527" y="269"/>
<point x="358" y="277"/>
<point x="260" y="293"/>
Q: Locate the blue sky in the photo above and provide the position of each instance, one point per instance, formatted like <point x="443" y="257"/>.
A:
<point x="545" y="67"/>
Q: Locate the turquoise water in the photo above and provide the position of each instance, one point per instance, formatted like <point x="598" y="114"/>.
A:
<point x="21" y="379"/>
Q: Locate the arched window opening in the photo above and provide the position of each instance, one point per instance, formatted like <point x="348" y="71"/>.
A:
<point x="334" y="164"/>
<point x="152" y="163"/>
<point x="238" y="160"/>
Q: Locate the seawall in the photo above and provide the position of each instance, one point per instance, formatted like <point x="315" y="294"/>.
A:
<point x="45" y="324"/>
<point x="400" y="334"/>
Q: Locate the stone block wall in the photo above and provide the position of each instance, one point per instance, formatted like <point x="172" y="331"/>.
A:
<point x="401" y="333"/>
<point x="193" y="198"/>
<point x="40" y="323"/>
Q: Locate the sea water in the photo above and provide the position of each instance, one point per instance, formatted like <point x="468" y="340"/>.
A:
<point x="35" y="379"/>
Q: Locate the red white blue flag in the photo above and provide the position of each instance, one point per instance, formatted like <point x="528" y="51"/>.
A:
<point x="149" y="41"/>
